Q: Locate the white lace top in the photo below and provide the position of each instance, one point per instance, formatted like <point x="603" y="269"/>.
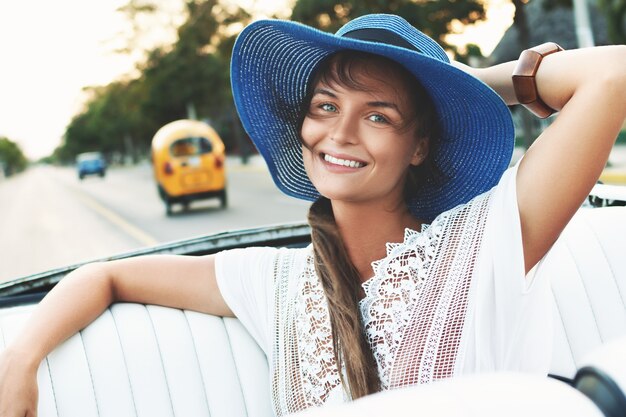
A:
<point x="448" y="300"/>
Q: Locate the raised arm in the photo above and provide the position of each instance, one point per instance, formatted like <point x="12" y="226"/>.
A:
<point x="184" y="282"/>
<point x="588" y="88"/>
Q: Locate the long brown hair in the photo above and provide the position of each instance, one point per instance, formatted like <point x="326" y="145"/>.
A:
<point x="338" y="275"/>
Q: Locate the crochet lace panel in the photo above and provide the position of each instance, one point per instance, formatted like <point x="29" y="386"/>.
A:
<point x="413" y="312"/>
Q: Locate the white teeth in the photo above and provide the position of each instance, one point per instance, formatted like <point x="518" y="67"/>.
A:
<point x="344" y="162"/>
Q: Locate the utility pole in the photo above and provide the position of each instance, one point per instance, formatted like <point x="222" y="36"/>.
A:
<point x="191" y="111"/>
<point x="584" y="34"/>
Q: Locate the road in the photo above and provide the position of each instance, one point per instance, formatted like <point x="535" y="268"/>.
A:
<point x="48" y="218"/>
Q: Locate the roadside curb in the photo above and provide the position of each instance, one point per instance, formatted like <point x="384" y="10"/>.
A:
<point x="614" y="176"/>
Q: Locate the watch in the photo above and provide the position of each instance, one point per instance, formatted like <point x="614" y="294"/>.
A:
<point x="524" y="78"/>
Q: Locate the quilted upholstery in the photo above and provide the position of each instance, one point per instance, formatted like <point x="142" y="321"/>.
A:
<point x="154" y="361"/>
<point x="587" y="269"/>
<point x="137" y="360"/>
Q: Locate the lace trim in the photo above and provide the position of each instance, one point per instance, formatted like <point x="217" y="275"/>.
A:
<point x="395" y="287"/>
<point x="460" y="270"/>
<point x="414" y="312"/>
<point x="318" y="366"/>
<point x="281" y="377"/>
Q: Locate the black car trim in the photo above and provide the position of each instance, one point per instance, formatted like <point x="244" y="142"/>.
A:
<point x="289" y="235"/>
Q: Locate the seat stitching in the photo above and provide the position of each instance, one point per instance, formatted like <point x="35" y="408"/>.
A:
<point x="195" y="351"/>
<point x="569" y="345"/>
<point x="93" y="387"/>
<point x="230" y="349"/>
<point x="130" y="383"/>
<point x="54" y="395"/>
<point x="613" y="275"/>
<point x="156" y="338"/>
<point x="593" y="313"/>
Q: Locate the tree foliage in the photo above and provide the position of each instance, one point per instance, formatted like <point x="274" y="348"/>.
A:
<point x="110" y="123"/>
<point x="12" y="160"/>
<point x="191" y="76"/>
<point x="615" y="12"/>
<point x="435" y="18"/>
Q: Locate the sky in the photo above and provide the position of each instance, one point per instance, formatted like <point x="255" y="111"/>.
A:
<point x="51" y="50"/>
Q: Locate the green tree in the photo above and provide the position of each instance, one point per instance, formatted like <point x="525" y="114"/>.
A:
<point x="435" y="18"/>
<point x="194" y="73"/>
<point x="122" y="117"/>
<point x="615" y="12"/>
<point x="12" y="160"/>
<point x="110" y="123"/>
<point x="472" y="53"/>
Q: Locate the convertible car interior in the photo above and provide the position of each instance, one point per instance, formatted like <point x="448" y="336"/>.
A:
<point x="145" y="360"/>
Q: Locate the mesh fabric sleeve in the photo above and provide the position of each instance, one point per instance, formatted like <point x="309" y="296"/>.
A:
<point x="245" y="278"/>
<point x="512" y="311"/>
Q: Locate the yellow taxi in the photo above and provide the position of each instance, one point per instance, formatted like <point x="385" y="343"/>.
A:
<point x="188" y="162"/>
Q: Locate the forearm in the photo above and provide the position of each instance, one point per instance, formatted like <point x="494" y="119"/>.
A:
<point x="185" y="282"/>
<point x="74" y="302"/>
<point x="497" y="77"/>
<point x="559" y="76"/>
<point x="563" y="75"/>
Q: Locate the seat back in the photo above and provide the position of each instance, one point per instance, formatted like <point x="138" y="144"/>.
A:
<point x="587" y="271"/>
<point x="137" y="360"/>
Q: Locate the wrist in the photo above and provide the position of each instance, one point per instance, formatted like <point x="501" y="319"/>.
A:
<point x="23" y="357"/>
<point x="524" y="83"/>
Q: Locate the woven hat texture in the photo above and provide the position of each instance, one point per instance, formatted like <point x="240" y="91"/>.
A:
<point x="273" y="61"/>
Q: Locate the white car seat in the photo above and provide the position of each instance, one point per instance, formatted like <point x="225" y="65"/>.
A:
<point x="587" y="270"/>
<point x="139" y="360"/>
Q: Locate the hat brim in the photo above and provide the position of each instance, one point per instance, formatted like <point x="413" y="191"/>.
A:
<point x="270" y="69"/>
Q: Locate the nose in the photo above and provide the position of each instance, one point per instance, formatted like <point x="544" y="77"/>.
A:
<point x="344" y="130"/>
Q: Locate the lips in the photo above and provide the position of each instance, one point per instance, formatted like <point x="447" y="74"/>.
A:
<point x="349" y="163"/>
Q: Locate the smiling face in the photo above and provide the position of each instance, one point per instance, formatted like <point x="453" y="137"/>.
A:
<point x="359" y="134"/>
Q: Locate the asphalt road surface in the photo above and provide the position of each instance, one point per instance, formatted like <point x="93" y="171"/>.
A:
<point x="49" y="219"/>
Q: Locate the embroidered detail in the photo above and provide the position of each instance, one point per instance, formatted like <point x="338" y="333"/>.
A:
<point x="317" y="359"/>
<point x="304" y="370"/>
<point x="414" y="312"/>
<point x="394" y="289"/>
<point x="282" y="379"/>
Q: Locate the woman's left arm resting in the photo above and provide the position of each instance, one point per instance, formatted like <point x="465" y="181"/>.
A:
<point x="588" y="88"/>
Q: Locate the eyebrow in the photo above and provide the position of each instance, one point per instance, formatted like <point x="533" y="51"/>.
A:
<point x="382" y="104"/>
<point x="324" y="92"/>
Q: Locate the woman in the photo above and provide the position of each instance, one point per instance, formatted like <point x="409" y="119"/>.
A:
<point x="422" y="244"/>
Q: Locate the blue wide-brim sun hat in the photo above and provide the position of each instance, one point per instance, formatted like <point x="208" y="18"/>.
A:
<point x="273" y="61"/>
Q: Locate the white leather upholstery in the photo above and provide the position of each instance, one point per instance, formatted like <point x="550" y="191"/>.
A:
<point x="153" y="361"/>
<point x="486" y="395"/>
<point x="587" y="269"/>
<point x="137" y="360"/>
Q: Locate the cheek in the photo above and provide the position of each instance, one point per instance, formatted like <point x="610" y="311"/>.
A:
<point x="393" y="155"/>
<point x="307" y="158"/>
<point x="312" y="131"/>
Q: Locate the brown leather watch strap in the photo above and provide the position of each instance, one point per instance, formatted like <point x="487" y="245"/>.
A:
<point x="524" y="78"/>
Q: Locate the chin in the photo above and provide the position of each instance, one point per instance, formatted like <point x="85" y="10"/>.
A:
<point x="335" y="194"/>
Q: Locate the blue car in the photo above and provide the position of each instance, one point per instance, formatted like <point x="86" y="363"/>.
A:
<point x="90" y="163"/>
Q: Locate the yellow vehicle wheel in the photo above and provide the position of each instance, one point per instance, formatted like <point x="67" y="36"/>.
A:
<point x="223" y="199"/>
